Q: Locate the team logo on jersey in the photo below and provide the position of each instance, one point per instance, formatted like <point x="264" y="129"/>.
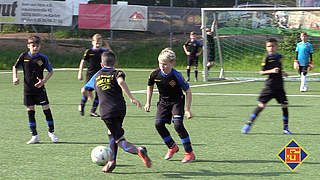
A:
<point x="39" y="62"/>
<point x="292" y="155"/>
<point x="172" y="83"/>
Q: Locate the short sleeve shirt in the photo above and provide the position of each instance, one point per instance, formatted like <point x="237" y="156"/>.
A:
<point x="193" y="46"/>
<point x="304" y="50"/>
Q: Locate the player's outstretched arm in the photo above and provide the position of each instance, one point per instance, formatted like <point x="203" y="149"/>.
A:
<point x="80" y="69"/>
<point x="188" y="103"/>
<point x="149" y="97"/>
<point x="126" y="90"/>
<point x="15" y="79"/>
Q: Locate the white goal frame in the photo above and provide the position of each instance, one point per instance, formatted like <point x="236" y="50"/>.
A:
<point x="204" y="35"/>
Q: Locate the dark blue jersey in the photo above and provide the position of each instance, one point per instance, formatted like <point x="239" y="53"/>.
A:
<point x="274" y="80"/>
<point x="104" y="82"/>
<point x="33" y="66"/>
<point x="193" y="47"/>
<point x="170" y="86"/>
<point x="93" y="59"/>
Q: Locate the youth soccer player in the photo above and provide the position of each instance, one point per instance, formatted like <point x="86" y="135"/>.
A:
<point x="211" y="45"/>
<point x="171" y="103"/>
<point x="193" y="49"/>
<point x="33" y="64"/>
<point x="109" y="84"/>
<point x="274" y="88"/>
<point x="303" y="54"/>
<point x="93" y="59"/>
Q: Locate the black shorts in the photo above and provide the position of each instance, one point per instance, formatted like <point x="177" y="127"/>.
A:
<point x="165" y="110"/>
<point x="303" y="69"/>
<point x="36" y="99"/>
<point x="268" y="93"/>
<point x="193" y="60"/>
<point x="115" y="126"/>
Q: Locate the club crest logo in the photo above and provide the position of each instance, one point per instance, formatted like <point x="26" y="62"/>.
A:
<point x="172" y="83"/>
<point x="39" y="63"/>
<point x="292" y="155"/>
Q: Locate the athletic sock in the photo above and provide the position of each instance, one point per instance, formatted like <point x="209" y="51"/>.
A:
<point x="84" y="100"/>
<point x="285" y="118"/>
<point x="113" y="148"/>
<point x="49" y="119"/>
<point x="188" y="73"/>
<point x="196" y="74"/>
<point x="303" y="80"/>
<point x="254" y="115"/>
<point x="127" y="146"/>
<point x="95" y="104"/>
<point x="169" y="141"/>
<point x="186" y="144"/>
<point x="32" y="123"/>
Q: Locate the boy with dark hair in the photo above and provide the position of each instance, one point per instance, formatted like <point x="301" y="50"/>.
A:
<point x="193" y="49"/>
<point x="171" y="103"/>
<point x="93" y="59"/>
<point x="109" y="84"/>
<point x="33" y="64"/>
<point x="304" y="51"/>
<point x="274" y="88"/>
<point x="210" y="44"/>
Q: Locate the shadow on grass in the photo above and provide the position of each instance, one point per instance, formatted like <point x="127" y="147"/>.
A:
<point x="99" y="143"/>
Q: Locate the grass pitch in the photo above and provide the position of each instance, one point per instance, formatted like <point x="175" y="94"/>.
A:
<point x="222" y="152"/>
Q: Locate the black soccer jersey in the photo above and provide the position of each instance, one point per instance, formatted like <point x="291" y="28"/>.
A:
<point x="274" y="80"/>
<point x="93" y="59"/>
<point x="170" y="86"/>
<point x="193" y="47"/>
<point x="33" y="66"/>
<point x="112" y="103"/>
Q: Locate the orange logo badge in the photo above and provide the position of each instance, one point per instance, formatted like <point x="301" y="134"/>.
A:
<point x="292" y="155"/>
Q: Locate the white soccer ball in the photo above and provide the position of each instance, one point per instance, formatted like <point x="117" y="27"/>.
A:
<point x="100" y="155"/>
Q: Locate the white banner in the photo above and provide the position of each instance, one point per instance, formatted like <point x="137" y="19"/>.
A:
<point x="56" y="13"/>
<point x="129" y="18"/>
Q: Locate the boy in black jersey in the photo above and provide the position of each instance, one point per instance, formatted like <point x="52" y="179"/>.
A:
<point x="93" y="59"/>
<point x="109" y="84"/>
<point x="171" y="103"/>
<point x="33" y="64"/>
<point x="193" y="49"/>
<point x="271" y="66"/>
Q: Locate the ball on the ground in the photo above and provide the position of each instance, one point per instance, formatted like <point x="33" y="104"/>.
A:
<point x="100" y="155"/>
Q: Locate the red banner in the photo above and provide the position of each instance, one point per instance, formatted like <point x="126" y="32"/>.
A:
<point x="94" y="16"/>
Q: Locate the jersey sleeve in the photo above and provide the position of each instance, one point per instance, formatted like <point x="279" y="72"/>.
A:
<point x="47" y="63"/>
<point x="120" y="74"/>
<point x="151" y="79"/>
<point x="86" y="55"/>
<point x="297" y="47"/>
<point x="90" y="84"/>
<point x="263" y="64"/>
<point x="183" y="84"/>
<point x="19" y="61"/>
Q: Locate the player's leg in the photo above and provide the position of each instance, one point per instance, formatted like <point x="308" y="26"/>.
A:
<point x="95" y="106"/>
<point x="189" y="64"/>
<point x="178" y="113"/>
<point x="282" y="99"/>
<point x="303" y="70"/>
<point x="43" y="100"/>
<point x="29" y="102"/>
<point x="196" y="69"/>
<point x="163" y="117"/>
<point x="265" y="96"/>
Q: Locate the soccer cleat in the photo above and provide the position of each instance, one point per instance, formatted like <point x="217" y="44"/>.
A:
<point x="142" y="152"/>
<point x="188" y="157"/>
<point x="246" y="129"/>
<point x="286" y="131"/>
<point x="304" y="89"/>
<point x="34" y="139"/>
<point x="53" y="137"/>
<point x="81" y="109"/>
<point x="109" y="167"/>
<point x="188" y="79"/>
<point x="196" y="80"/>
<point x="171" y="151"/>
<point x="93" y="114"/>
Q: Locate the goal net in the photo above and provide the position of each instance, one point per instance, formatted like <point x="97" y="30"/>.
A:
<point x="240" y="35"/>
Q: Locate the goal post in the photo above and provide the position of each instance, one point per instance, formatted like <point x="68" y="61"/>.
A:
<point x="240" y="35"/>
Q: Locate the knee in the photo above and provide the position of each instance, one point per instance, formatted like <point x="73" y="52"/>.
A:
<point x="159" y="124"/>
<point x="284" y="105"/>
<point x="178" y="126"/>
<point x="261" y="105"/>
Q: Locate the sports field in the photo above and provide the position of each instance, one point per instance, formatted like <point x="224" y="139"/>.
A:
<point x="220" y="110"/>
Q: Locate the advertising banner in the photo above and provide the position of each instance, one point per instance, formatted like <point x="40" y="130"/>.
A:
<point x="164" y="19"/>
<point x="129" y="18"/>
<point x="94" y="16"/>
<point x="56" y="13"/>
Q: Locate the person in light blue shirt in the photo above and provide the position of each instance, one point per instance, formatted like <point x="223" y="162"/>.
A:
<point x="303" y="60"/>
